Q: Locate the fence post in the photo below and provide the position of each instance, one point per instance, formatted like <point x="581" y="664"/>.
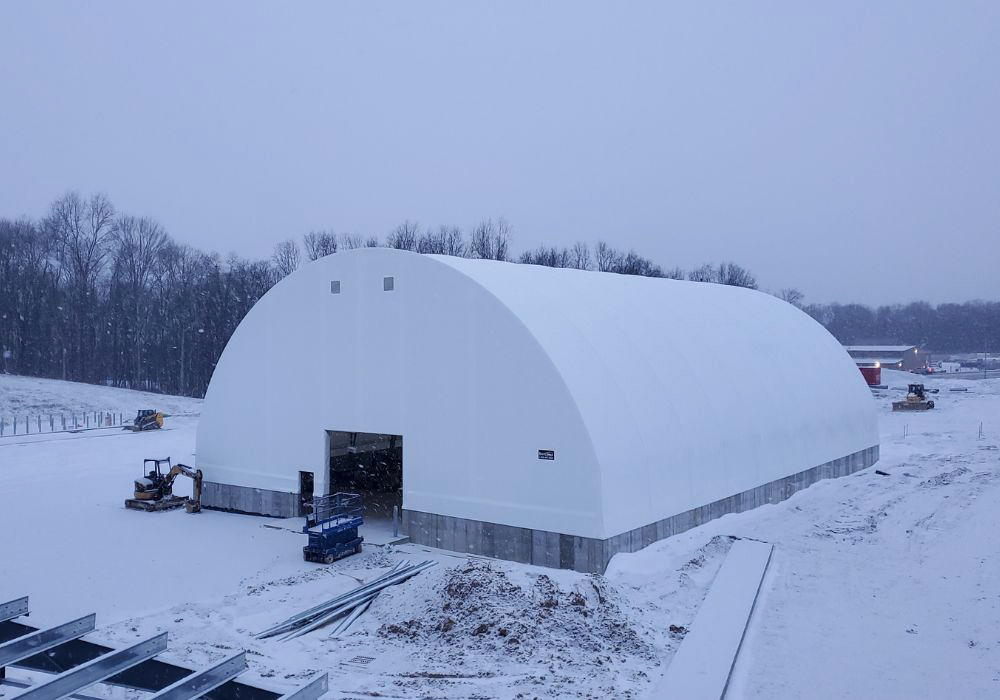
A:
<point x="1" y="426"/>
<point x="39" y="417"/>
<point x="63" y="417"/>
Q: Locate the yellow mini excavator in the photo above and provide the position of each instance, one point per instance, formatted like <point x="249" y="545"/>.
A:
<point x="155" y="490"/>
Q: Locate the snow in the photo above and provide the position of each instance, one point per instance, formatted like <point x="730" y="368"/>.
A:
<point x="701" y="668"/>
<point x="22" y="396"/>
<point x="879" y="586"/>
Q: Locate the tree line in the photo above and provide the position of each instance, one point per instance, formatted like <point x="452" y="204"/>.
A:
<point x="92" y="294"/>
<point x="973" y="326"/>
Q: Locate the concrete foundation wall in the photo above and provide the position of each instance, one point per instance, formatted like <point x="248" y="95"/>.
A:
<point x="245" y="499"/>
<point x="592" y="555"/>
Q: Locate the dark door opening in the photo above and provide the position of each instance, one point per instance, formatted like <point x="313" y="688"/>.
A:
<point x="370" y="464"/>
<point x="305" y="492"/>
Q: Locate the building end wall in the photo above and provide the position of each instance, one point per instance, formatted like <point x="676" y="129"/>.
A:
<point x="591" y="555"/>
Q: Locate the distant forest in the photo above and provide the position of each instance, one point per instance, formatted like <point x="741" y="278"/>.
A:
<point x="91" y="294"/>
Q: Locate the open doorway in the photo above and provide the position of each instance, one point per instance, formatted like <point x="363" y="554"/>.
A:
<point x="370" y="464"/>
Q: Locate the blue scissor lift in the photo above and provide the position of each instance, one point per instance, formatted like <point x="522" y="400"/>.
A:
<point x="333" y="528"/>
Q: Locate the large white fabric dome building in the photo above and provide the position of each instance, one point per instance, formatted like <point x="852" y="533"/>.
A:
<point x="541" y="415"/>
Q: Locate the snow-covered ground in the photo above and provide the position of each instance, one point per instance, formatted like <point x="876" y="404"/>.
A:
<point x="879" y="586"/>
<point x="29" y="396"/>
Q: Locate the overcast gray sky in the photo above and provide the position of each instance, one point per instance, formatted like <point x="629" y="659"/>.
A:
<point x="851" y="149"/>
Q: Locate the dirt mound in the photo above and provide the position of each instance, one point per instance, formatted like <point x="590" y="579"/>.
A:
<point x="476" y="608"/>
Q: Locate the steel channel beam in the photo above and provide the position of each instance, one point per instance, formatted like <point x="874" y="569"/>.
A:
<point x="97" y="670"/>
<point x="31" y="644"/>
<point x="21" y="684"/>
<point x="13" y="608"/>
<point x="201" y="682"/>
<point x="312" y="690"/>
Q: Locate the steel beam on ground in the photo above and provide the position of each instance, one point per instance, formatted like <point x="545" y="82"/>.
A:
<point x="312" y="690"/>
<point x="31" y="644"/>
<point x="201" y="682"/>
<point x="93" y="671"/>
<point x="21" y="684"/>
<point x="13" y="608"/>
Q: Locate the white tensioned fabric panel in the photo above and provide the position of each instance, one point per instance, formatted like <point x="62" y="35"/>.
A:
<point x="690" y="391"/>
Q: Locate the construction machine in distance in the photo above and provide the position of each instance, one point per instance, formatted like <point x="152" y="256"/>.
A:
<point x="916" y="400"/>
<point x="155" y="490"/>
<point x="146" y="419"/>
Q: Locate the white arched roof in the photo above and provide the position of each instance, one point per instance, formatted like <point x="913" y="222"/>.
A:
<point x="657" y="396"/>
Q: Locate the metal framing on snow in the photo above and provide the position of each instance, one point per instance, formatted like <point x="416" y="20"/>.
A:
<point x="93" y="671"/>
<point x="79" y="663"/>
<point x="30" y="644"/>
<point x="201" y="682"/>
<point x="13" y="608"/>
<point x="21" y="684"/>
<point x="311" y="690"/>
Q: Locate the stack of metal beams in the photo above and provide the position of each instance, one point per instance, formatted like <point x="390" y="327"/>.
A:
<point x="346" y="608"/>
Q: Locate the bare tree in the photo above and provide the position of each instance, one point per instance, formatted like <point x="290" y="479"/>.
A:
<point x="453" y="242"/>
<point x="580" y="256"/>
<point x="501" y="245"/>
<point x="792" y="296"/>
<point x="372" y="242"/>
<point x="138" y="242"/>
<point x="491" y="240"/>
<point x="404" y="236"/>
<point x="319" y="244"/>
<point x="549" y="257"/>
<point x="675" y="273"/>
<point x="351" y="241"/>
<point x="705" y="273"/>
<point x="606" y="258"/>
<point x="634" y="264"/>
<point x="445" y="241"/>
<point x="286" y="258"/>
<point x="736" y="276"/>
<point x="82" y="229"/>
